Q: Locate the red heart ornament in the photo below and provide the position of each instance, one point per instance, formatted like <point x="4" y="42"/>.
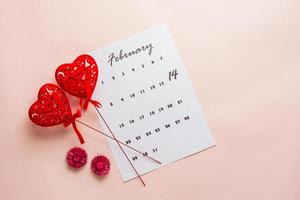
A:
<point x="53" y="108"/>
<point x="79" y="78"/>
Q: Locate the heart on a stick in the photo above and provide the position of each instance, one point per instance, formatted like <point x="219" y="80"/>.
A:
<point x="79" y="78"/>
<point x="52" y="108"/>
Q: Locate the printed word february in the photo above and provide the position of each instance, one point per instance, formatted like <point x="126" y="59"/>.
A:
<point x="112" y="58"/>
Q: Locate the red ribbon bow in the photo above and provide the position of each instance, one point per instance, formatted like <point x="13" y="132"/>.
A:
<point x="71" y="120"/>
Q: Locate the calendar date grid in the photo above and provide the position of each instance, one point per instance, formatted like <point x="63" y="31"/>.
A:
<point x="151" y="113"/>
<point x="153" y="150"/>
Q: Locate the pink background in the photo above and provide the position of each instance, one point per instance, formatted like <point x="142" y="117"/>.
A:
<point x="243" y="58"/>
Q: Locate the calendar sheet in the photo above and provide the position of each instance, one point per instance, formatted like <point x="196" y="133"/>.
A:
<point x="148" y="102"/>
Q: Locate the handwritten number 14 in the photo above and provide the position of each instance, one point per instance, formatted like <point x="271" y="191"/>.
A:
<point x="173" y="74"/>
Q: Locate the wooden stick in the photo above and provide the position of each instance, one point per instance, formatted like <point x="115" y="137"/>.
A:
<point x="121" y="147"/>
<point x="140" y="152"/>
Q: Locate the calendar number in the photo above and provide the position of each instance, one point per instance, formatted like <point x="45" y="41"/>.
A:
<point x="173" y="74"/>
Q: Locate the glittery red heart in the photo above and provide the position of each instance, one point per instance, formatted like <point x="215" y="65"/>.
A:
<point x="78" y="78"/>
<point x="51" y="108"/>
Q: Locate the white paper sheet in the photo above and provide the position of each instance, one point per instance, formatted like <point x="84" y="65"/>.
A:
<point x="148" y="101"/>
